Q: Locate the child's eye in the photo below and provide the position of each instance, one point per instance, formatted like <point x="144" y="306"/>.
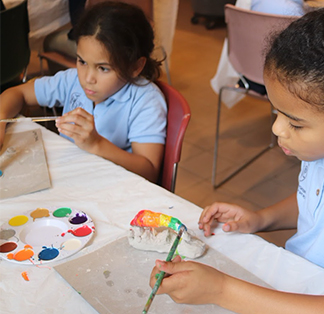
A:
<point x="104" y="69"/>
<point x="295" y="127"/>
<point x="80" y="61"/>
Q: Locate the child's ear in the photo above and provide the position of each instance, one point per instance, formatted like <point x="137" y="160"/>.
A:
<point x="140" y="64"/>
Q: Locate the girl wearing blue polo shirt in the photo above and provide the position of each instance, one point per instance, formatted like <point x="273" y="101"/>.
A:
<point x="111" y="108"/>
<point x="294" y="78"/>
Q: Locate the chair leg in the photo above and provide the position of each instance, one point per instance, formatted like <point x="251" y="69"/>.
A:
<point x="273" y="114"/>
<point x="41" y="65"/>
<point x="24" y="79"/>
<point x="166" y="64"/>
<point x="174" y="176"/>
<point x="216" y="150"/>
<point x="217" y="138"/>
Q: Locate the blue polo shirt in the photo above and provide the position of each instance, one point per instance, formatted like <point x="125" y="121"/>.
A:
<point x="135" y="113"/>
<point x="308" y="242"/>
<point x="283" y="7"/>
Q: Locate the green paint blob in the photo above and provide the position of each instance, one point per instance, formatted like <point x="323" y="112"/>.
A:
<point x="62" y="212"/>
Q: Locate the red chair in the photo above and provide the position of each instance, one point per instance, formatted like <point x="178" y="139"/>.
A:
<point x="178" y="119"/>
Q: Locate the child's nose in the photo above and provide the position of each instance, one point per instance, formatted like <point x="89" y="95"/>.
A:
<point x="90" y="76"/>
<point x="279" y="127"/>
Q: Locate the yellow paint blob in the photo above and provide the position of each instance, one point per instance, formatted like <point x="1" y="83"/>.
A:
<point x="18" y="220"/>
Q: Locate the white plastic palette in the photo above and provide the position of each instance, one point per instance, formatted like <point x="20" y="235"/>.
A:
<point x="43" y="235"/>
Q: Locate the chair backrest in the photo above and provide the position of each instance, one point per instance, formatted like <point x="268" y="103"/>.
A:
<point x="145" y="5"/>
<point x="15" y="51"/>
<point x="248" y="32"/>
<point x="178" y="118"/>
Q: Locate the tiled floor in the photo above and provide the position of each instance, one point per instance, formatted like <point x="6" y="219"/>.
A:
<point x="245" y="129"/>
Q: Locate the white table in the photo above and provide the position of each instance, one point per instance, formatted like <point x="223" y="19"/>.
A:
<point x="112" y="196"/>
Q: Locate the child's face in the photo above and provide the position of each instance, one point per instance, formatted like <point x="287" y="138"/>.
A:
<point x="97" y="78"/>
<point x="299" y="126"/>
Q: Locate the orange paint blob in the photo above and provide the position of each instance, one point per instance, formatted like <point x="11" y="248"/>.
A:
<point x="23" y="254"/>
<point x="39" y="213"/>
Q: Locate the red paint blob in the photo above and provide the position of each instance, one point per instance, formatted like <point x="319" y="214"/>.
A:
<point x="81" y="232"/>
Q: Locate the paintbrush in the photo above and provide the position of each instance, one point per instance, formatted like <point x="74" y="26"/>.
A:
<point x="34" y="119"/>
<point x="162" y="273"/>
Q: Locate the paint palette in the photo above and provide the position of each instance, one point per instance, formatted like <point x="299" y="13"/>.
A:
<point x="43" y="235"/>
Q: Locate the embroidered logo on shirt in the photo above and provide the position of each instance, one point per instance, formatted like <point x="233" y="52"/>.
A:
<point x="75" y="102"/>
<point x="303" y="173"/>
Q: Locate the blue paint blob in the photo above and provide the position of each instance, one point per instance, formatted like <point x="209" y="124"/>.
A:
<point x="1" y="173"/>
<point x="48" y="253"/>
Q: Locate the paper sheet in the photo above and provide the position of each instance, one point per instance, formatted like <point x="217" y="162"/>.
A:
<point x="23" y="164"/>
<point x="115" y="279"/>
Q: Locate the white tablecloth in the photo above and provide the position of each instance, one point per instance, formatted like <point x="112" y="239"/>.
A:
<point x="112" y="196"/>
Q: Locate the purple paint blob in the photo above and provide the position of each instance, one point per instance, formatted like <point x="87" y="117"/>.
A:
<point x="79" y="218"/>
<point x="48" y="253"/>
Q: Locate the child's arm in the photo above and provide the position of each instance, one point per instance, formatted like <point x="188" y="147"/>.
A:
<point x="282" y="215"/>
<point x="12" y="100"/>
<point x="145" y="159"/>
<point x="195" y="283"/>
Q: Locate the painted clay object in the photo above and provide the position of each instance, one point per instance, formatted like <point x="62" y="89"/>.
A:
<point x="147" y="218"/>
<point x="143" y="236"/>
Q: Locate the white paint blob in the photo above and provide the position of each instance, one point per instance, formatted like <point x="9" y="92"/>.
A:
<point x="71" y="244"/>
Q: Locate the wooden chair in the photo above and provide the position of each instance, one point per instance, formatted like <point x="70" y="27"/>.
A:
<point x="177" y="122"/>
<point x="15" y="51"/>
<point x="247" y="32"/>
<point x="60" y="52"/>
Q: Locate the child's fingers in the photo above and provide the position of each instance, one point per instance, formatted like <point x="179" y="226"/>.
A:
<point x="241" y="226"/>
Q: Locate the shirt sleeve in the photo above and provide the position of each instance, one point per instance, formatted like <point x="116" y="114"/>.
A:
<point x="53" y="91"/>
<point x="148" y="118"/>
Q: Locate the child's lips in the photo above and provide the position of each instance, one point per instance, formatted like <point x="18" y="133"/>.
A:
<point x="89" y="91"/>
<point x="285" y="150"/>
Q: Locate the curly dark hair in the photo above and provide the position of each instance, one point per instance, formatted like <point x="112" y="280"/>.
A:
<point x="127" y="35"/>
<point x="296" y="58"/>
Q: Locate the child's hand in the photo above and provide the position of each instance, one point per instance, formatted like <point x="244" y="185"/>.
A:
<point x="235" y="218"/>
<point x="79" y="125"/>
<point x="188" y="282"/>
